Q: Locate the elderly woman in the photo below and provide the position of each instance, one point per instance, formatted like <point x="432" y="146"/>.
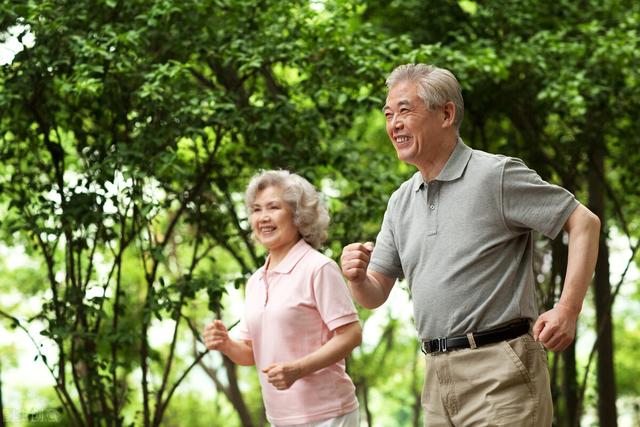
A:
<point x="299" y="321"/>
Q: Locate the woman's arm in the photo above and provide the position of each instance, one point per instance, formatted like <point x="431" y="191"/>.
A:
<point x="216" y="337"/>
<point x="344" y="340"/>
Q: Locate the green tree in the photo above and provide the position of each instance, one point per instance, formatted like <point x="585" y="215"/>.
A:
<point x="552" y="82"/>
<point x="128" y="132"/>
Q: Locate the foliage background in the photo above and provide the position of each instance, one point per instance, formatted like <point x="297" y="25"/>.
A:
<point x="128" y="131"/>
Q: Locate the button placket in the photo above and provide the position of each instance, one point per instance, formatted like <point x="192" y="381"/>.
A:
<point x="431" y="199"/>
<point x="266" y="287"/>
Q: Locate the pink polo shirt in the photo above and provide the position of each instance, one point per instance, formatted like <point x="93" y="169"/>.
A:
<point x="290" y="312"/>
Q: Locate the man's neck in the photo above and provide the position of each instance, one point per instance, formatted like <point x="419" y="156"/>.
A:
<point x="432" y="167"/>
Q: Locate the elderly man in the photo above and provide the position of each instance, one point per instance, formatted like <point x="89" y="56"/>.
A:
<point x="460" y="231"/>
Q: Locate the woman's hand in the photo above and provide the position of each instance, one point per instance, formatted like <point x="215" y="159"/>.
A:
<point x="216" y="336"/>
<point x="345" y="339"/>
<point x="282" y="376"/>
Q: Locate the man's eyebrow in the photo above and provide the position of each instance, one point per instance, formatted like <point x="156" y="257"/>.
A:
<point x="401" y="103"/>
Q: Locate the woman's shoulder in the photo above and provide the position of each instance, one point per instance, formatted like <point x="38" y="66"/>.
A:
<point x="317" y="260"/>
<point x="255" y="276"/>
<point x="317" y="256"/>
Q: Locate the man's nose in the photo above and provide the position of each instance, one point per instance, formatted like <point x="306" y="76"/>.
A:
<point x="396" y="123"/>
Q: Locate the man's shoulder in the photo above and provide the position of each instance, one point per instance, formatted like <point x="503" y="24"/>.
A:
<point x="487" y="164"/>
<point x="407" y="187"/>
<point x="490" y="160"/>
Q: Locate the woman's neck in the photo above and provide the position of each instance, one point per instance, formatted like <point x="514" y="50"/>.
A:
<point x="276" y="255"/>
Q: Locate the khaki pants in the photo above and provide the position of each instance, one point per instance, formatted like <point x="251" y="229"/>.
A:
<point x="501" y="384"/>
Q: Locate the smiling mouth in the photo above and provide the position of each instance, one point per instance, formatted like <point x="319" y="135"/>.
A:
<point x="267" y="230"/>
<point x="402" y="139"/>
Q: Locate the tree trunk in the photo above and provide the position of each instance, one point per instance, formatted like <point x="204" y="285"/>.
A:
<point x="232" y="391"/>
<point x="607" y="413"/>
<point x="235" y="395"/>
<point x="558" y="267"/>
<point x="364" y="392"/>
<point x="2" y="424"/>
<point x="416" y="390"/>
<point x="569" y="384"/>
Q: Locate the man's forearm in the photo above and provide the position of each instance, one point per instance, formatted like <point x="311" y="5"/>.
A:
<point x="582" y="256"/>
<point x="371" y="293"/>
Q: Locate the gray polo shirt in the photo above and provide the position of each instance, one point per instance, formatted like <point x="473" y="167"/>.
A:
<point x="464" y="241"/>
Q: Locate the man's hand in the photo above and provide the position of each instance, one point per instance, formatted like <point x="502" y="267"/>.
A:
<point x="355" y="260"/>
<point x="282" y="376"/>
<point x="216" y="336"/>
<point x="556" y="328"/>
<point x="369" y="288"/>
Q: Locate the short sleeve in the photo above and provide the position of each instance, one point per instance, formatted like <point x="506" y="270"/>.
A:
<point x="241" y="332"/>
<point x="530" y="203"/>
<point x="332" y="297"/>
<point x="385" y="258"/>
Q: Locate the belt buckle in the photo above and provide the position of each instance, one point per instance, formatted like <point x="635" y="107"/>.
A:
<point x="442" y="345"/>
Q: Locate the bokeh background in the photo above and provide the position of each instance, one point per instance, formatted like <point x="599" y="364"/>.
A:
<point x="129" y="129"/>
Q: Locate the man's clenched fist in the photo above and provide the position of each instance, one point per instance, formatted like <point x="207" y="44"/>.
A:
<point x="355" y="260"/>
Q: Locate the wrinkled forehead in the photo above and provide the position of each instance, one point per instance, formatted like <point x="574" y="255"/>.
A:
<point x="268" y="193"/>
<point x="404" y="93"/>
<point x="391" y="105"/>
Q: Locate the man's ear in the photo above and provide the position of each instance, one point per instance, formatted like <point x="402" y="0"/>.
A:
<point x="449" y="114"/>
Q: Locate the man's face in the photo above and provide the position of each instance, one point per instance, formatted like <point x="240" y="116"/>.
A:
<point x="411" y="126"/>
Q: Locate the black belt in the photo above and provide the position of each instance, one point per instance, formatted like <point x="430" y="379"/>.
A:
<point x="489" y="336"/>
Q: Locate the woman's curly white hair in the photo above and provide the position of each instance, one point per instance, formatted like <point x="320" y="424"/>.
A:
<point x="310" y="214"/>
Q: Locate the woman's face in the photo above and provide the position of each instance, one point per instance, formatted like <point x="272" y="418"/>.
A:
<point x="272" y="220"/>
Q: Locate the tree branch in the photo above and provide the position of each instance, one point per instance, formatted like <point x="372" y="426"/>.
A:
<point x="60" y="389"/>
<point x="160" y="404"/>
